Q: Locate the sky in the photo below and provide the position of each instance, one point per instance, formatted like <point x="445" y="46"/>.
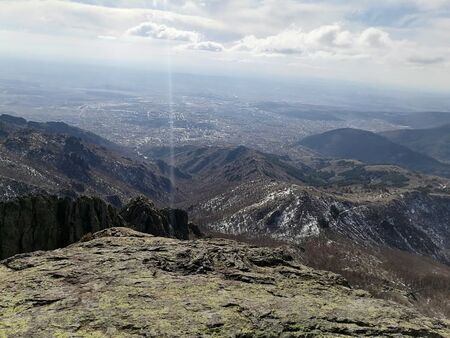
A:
<point x="379" y="42"/>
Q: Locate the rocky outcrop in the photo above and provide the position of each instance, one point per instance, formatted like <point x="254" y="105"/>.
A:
<point x="143" y="216"/>
<point x="412" y="221"/>
<point x="43" y="222"/>
<point x="49" y="222"/>
<point x="127" y="284"/>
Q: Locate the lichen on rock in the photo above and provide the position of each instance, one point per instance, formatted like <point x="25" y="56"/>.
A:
<point x="122" y="283"/>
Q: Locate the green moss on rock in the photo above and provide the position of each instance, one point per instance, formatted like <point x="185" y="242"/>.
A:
<point x="128" y="284"/>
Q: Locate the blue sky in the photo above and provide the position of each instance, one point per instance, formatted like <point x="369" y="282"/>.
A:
<point x="395" y="42"/>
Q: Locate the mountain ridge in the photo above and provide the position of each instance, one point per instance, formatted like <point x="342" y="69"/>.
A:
<point x="66" y="164"/>
<point x="410" y="221"/>
<point x="365" y="146"/>
<point x="434" y="142"/>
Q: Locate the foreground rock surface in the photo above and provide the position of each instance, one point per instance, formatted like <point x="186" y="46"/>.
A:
<point x="122" y="283"/>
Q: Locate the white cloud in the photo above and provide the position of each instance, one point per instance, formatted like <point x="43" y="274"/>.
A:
<point x="329" y="36"/>
<point x="107" y="37"/>
<point x="327" y="40"/>
<point x="424" y="60"/>
<point x="340" y="37"/>
<point x="375" y="38"/>
<point x="58" y="17"/>
<point x="161" y="31"/>
<point x="209" y="46"/>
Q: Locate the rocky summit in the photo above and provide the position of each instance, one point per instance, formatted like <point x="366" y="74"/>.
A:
<point x="143" y="216"/>
<point x="122" y="283"/>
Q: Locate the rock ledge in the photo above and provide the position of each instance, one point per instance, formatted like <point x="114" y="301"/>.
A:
<point x="121" y="283"/>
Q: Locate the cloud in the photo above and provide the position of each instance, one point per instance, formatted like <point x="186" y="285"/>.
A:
<point x="375" y="38"/>
<point x="426" y="60"/>
<point x="328" y="36"/>
<point x="326" y="40"/>
<point x="107" y="37"/>
<point x="209" y="46"/>
<point x="92" y="18"/>
<point x="390" y="38"/>
<point x="161" y="31"/>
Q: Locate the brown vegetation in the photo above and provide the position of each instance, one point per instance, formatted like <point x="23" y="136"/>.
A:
<point x="385" y="272"/>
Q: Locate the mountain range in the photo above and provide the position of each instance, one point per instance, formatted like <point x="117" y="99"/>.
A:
<point x="241" y="190"/>
<point x="60" y="185"/>
<point x="429" y="119"/>
<point x="60" y="159"/>
<point x="212" y="170"/>
<point x="371" y="148"/>
<point x="434" y="142"/>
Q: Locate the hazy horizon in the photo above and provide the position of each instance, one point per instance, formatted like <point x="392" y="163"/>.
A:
<point x="385" y="44"/>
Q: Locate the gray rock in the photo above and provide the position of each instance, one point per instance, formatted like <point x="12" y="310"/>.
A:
<point x="122" y="283"/>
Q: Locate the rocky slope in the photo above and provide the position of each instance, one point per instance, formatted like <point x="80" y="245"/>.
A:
<point x="233" y="164"/>
<point x="127" y="284"/>
<point x="48" y="222"/>
<point x="64" y="160"/>
<point x="411" y="221"/>
<point x="212" y="170"/>
<point x="11" y="123"/>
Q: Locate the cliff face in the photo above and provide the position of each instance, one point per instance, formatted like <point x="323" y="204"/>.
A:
<point x="44" y="222"/>
<point x="48" y="222"/>
<point x="143" y="216"/>
<point x="122" y="283"/>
